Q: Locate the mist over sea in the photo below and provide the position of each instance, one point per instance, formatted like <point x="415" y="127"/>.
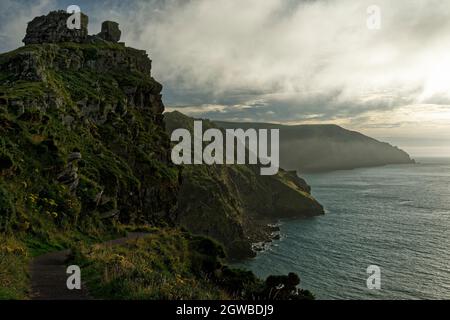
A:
<point x="396" y="217"/>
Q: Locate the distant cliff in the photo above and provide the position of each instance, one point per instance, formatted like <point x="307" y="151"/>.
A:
<point x="233" y="203"/>
<point x="315" y="148"/>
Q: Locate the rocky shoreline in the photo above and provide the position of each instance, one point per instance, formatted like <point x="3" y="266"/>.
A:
<point x="275" y="235"/>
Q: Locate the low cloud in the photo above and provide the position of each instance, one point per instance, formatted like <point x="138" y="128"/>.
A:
<point x="14" y="16"/>
<point x="297" y="59"/>
<point x="282" y="60"/>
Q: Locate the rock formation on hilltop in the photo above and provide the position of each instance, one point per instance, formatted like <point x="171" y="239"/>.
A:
<point x="67" y="93"/>
<point x="52" y="28"/>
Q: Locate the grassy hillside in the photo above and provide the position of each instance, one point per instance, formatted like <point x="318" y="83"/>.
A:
<point x="82" y="149"/>
<point x="312" y="148"/>
<point x="168" y="264"/>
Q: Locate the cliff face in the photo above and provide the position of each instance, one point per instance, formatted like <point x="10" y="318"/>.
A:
<point x="316" y="148"/>
<point x="82" y="134"/>
<point x="233" y="203"/>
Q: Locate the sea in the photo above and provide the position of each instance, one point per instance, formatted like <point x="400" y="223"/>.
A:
<point x="396" y="218"/>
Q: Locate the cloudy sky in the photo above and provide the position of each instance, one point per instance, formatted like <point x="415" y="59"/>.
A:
<point x="288" y="61"/>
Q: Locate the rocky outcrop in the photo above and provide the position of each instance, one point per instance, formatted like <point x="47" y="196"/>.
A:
<point x="69" y="176"/>
<point x="52" y="28"/>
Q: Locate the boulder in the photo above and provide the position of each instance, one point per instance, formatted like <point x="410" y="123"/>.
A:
<point x="110" y="31"/>
<point x="69" y="176"/>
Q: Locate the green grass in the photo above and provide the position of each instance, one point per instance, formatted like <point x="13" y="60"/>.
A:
<point x="23" y="90"/>
<point x="161" y="266"/>
<point x="14" y="259"/>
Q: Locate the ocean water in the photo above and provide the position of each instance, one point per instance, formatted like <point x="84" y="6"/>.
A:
<point x="396" y="217"/>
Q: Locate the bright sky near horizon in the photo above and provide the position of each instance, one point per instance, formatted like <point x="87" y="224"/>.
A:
<point x="288" y="61"/>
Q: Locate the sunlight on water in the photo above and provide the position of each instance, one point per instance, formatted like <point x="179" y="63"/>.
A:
<point x="396" y="217"/>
